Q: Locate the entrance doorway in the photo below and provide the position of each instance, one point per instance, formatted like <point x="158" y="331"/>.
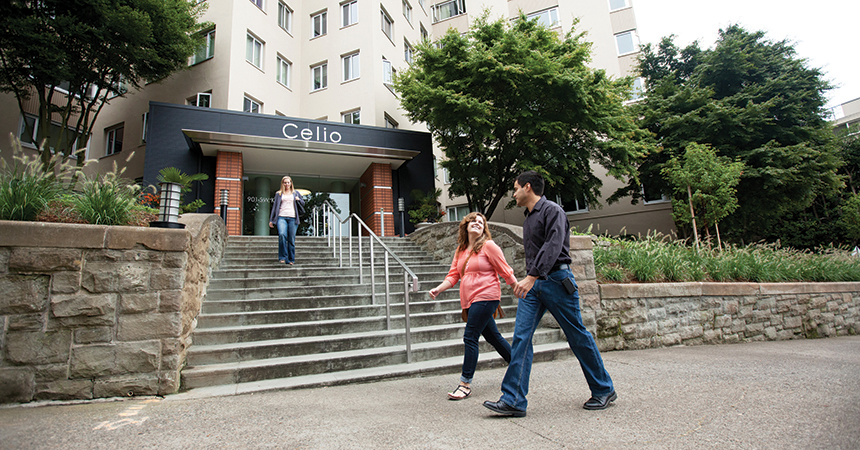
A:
<point x="260" y="190"/>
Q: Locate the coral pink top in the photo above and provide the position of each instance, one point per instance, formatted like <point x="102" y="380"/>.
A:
<point x="480" y="282"/>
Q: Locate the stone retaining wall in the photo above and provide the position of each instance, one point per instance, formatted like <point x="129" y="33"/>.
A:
<point x="637" y="316"/>
<point x="90" y="311"/>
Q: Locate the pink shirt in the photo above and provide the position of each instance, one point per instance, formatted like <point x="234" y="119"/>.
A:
<point x="480" y="282"/>
<point x="287" y="207"/>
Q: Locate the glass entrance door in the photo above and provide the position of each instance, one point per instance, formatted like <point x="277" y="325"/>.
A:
<point x="260" y="191"/>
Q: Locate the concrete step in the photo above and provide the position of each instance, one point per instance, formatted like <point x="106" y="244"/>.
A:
<point x="303" y="345"/>
<point x="314" y="301"/>
<point x="451" y="351"/>
<point x="437" y="325"/>
<point x="263" y="317"/>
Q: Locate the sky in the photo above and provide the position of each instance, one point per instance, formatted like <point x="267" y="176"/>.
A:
<point x="823" y="32"/>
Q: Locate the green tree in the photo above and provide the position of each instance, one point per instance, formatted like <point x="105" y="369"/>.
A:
<point x="708" y="182"/>
<point x="513" y="96"/>
<point x="76" y="55"/>
<point x="752" y="100"/>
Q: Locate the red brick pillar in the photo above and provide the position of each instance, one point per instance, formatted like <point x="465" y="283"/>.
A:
<point x="376" y="192"/>
<point x="228" y="175"/>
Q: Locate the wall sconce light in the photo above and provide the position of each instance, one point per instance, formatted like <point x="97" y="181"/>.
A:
<point x="225" y="200"/>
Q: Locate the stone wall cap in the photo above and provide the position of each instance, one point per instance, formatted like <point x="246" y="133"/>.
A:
<point x="163" y="239"/>
<point x="49" y="234"/>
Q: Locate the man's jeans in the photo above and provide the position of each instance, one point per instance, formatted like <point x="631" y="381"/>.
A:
<point x="481" y="323"/>
<point x="550" y="295"/>
<point x="287" y="239"/>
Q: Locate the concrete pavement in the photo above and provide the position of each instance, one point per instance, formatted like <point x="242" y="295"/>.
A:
<point x="766" y="395"/>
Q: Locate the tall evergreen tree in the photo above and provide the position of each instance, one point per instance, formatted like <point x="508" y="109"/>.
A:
<point x="752" y="100"/>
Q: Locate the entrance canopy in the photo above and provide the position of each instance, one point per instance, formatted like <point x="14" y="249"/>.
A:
<point x="262" y="154"/>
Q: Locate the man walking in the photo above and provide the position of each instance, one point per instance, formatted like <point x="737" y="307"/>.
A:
<point x="548" y="286"/>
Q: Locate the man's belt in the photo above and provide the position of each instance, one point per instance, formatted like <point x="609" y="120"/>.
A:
<point x="557" y="267"/>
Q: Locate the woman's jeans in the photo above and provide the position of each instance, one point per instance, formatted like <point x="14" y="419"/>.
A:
<point x="480" y="322"/>
<point x="287" y="239"/>
<point x="550" y="295"/>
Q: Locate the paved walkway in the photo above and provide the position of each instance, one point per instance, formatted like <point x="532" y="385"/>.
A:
<point x="768" y="395"/>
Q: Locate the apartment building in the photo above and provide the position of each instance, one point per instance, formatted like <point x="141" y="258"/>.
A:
<point x="846" y="116"/>
<point x="303" y="88"/>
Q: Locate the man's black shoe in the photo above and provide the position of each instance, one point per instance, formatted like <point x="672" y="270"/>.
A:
<point x="600" y="402"/>
<point x="503" y="408"/>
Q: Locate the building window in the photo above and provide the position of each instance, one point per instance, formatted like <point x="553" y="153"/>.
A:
<point x="319" y="77"/>
<point x="28" y="136"/>
<point x="259" y="3"/>
<point x="389" y="122"/>
<point x="387" y="25"/>
<point x="353" y="117"/>
<point x="201" y="100"/>
<point x="617" y="4"/>
<point x="408" y="51"/>
<point x="407" y="11"/>
<point x="627" y="42"/>
<point x="457" y="213"/>
<point x="638" y="89"/>
<point x="572" y="203"/>
<point x="113" y="139"/>
<point x="318" y="24"/>
<point x="349" y="11"/>
<point x="547" y="17"/>
<point x="351" y="67"/>
<point x="387" y="72"/>
<point x="144" y="125"/>
<point x="284" y="71"/>
<point x="254" y="51"/>
<point x="446" y="177"/>
<point x="251" y="106"/>
<point x="448" y="9"/>
<point x="207" y="50"/>
<point x="285" y="17"/>
<point x="423" y="5"/>
<point x="424" y="34"/>
<point x="654" y="195"/>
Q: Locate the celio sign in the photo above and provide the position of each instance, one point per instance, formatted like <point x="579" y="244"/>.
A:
<point x="292" y="131"/>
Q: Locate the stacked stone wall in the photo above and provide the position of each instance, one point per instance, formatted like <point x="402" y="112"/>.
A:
<point x="638" y="316"/>
<point x="91" y="311"/>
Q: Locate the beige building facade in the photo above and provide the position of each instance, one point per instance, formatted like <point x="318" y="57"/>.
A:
<point x="279" y="79"/>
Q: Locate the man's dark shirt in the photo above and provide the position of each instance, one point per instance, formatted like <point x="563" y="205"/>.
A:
<point x="546" y="238"/>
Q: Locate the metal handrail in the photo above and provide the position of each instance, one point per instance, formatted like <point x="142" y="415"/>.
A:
<point x="334" y="239"/>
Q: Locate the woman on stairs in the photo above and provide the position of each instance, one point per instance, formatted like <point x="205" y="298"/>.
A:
<point x="478" y="263"/>
<point x="286" y="210"/>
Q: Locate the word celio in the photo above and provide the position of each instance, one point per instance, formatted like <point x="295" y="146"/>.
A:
<point x="291" y="131"/>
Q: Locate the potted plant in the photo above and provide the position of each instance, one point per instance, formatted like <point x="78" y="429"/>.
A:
<point x="425" y="207"/>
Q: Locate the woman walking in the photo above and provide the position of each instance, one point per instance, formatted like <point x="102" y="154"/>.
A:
<point x="285" y="214"/>
<point x="478" y="263"/>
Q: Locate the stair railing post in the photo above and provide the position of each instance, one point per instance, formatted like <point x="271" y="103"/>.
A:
<point x="406" y="315"/>
<point x="360" y="258"/>
<point x="387" y="296"/>
<point x="372" y="273"/>
<point x="349" y="221"/>
<point x="340" y="241"/>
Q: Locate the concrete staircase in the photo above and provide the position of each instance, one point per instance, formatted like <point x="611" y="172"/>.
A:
<point x="266" y="326"/>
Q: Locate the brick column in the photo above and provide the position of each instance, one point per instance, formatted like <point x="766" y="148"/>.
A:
<point x="376" y="192"/>
<point x="228" y="175"/>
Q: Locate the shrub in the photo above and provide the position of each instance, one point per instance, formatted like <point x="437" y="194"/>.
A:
<point x="106" y="199"/>
<point x="655" y="259"/>
<point x="25" y="188"/>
